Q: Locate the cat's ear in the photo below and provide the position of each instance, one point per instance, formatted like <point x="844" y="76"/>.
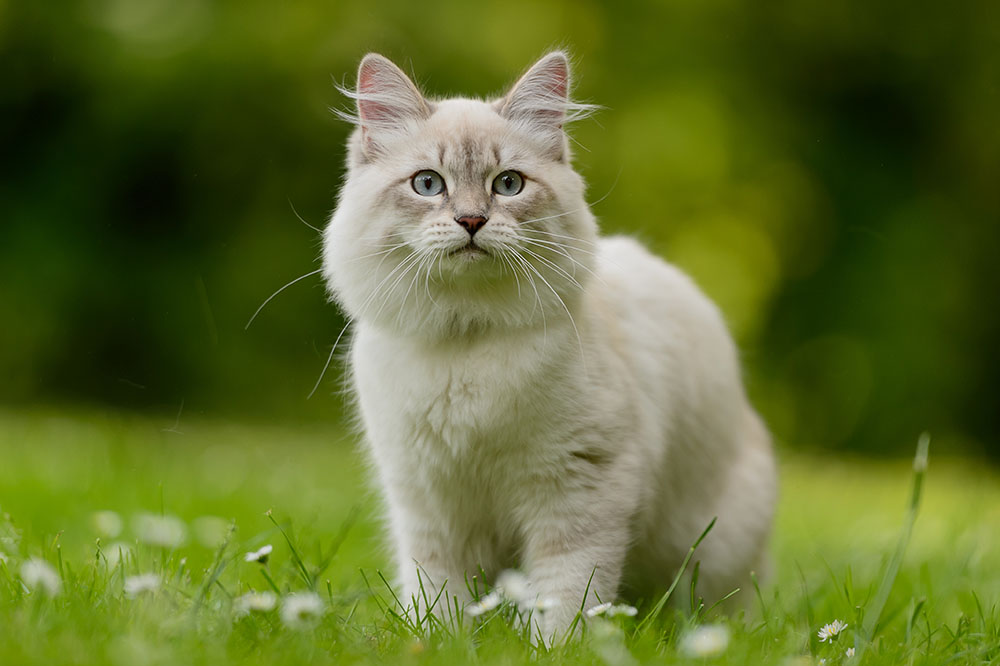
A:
<point x="387" y="99"/>
<point x="540" y="99"/>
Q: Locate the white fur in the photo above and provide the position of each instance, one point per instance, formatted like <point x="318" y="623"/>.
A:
<point x="577" y="410"/>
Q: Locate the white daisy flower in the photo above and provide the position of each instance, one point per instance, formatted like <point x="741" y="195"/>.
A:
<point x="162" y="531"/>
<point x="259" y="555"/>
<point x="115" y="552"/>
<point x="609" y="609"/>
<point x="485" y="604"/>
<point x="599" y="609"/>
<point x="301" y="610"/>
<point x="107" y="524"/>
<point x="850" y="652"/>
<point x="622" y="609"/>
<point x="708" y="640"/>
<point x="136" y="585"/>
<point x="36" y="573"/>
<point x="538" y="605"/>
<point x="830" y="631"/>
<point x="514" y="586"/>
<point x="256" y="602"/>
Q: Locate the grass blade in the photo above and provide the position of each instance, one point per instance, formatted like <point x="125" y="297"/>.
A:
<point x="677" y="579"/>
<point x="874" y="613"/>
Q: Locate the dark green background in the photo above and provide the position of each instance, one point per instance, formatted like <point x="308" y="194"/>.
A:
<point x="827" y="171"/>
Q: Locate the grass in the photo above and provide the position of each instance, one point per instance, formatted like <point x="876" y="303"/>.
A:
<point x="837" y="543"/>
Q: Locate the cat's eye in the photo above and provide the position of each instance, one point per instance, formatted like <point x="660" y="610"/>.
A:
<point x="508" y="183"/>
<point x="428" y="183"/>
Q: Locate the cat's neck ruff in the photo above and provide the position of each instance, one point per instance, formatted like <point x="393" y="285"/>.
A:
<point x="464" y="326"/>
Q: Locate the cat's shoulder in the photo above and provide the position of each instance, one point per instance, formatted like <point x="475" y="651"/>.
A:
<point x="641" y="280"/>
<point x="628" y="258"/>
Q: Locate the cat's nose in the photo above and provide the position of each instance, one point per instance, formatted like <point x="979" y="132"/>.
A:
<point x="471" y="224"/>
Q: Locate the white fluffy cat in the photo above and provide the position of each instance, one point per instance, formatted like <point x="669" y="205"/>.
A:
<point x="532" y="395"/>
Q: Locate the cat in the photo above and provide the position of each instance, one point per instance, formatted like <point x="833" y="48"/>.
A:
<point x="532" y="395"/>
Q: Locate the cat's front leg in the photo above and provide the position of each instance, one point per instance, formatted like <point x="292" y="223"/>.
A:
<point x="428" y="560"/>
<point x="574" y="558"/>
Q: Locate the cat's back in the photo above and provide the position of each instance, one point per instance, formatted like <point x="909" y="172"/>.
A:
<point x="672" y="336"/>
<point x="655" y="299"/>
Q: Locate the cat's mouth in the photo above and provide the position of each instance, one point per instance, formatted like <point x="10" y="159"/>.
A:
<point x="470" y="250"/>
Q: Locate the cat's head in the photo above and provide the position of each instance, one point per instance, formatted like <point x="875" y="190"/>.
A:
<point x="460" y="215"/>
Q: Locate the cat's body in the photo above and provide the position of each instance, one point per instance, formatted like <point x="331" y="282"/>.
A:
<point x="566" y="411"/>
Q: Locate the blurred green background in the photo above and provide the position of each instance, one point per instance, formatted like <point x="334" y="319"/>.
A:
<point x="827" y="171"/>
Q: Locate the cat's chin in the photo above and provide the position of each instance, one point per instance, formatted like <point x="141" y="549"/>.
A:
<point x="469" y="252"/>
<point x="467" y="256"/>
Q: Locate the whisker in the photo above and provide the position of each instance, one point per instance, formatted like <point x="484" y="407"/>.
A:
<point x="410" y="262"/>
<point x="507" y="263"/>
<point x="329" y="358"/>
<point x="377" y="237"/>
<point x="610" y="189"/>
<point x="268" y="300"/>
<point x="525" y="266"/>
<point x="554" y="266"/>
<point x="552" y="217"/>
<point x="557" y="248"/>
<point x="374" y="293"/>
<point x="427" y="279"/>
<point x="574" y="239"/>
<point x="577" y="210"/>
<point x="319" y="231"/>
<point x="579" y="340"/>
<point x="549" y="233"/>
<point x="416" y="274"/>
<point x="387" y="250"/>
<point x="407" y="262"/>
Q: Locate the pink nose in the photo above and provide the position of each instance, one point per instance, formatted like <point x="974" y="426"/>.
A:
<point x="471" y="224"/>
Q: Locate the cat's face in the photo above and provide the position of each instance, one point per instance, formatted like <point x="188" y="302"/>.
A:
<point x="459" y="214"/>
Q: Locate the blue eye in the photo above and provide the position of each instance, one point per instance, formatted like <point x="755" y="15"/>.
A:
<point x="508" y="183"/>
<point x="428" y="183"/>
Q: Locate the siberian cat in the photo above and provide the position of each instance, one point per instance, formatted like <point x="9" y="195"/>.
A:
<point x="533" y="395"/>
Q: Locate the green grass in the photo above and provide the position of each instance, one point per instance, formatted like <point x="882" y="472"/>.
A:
<point x="838" y="528"/>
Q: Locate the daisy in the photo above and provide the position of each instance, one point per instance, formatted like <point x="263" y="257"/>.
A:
<point x="850" y="652"/>
<point x="831" y="631"/>
<point x="708" y="640"/>
<point x="37" y="573"/>
<point x="301" y="610"/>
<point x="257" y="602"/>
<point x="514" y="586"/>
<point x="107" y="524"/>
<point x="612" y="610"/>
<point x="259" y="555"/>
<point x="485" y="604"/>
<point x="599" y="609"/>
<point x="538" y="605"/>
<point x="136" y="585"/>
<point x="116" y="552"/>
<point x="162" y="531"/>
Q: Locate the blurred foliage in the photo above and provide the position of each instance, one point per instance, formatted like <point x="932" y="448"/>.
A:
<point x="827" y="171"/>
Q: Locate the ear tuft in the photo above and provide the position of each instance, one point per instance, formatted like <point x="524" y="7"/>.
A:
<point x="542" y="93"/>
<point x="540" y="99"/>
<point x="386" y="98"/>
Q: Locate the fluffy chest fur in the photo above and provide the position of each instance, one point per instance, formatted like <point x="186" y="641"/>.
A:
<point x="473" y="405"/>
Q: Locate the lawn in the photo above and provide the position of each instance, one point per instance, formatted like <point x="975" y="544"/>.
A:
<point x="303" y="490"/>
